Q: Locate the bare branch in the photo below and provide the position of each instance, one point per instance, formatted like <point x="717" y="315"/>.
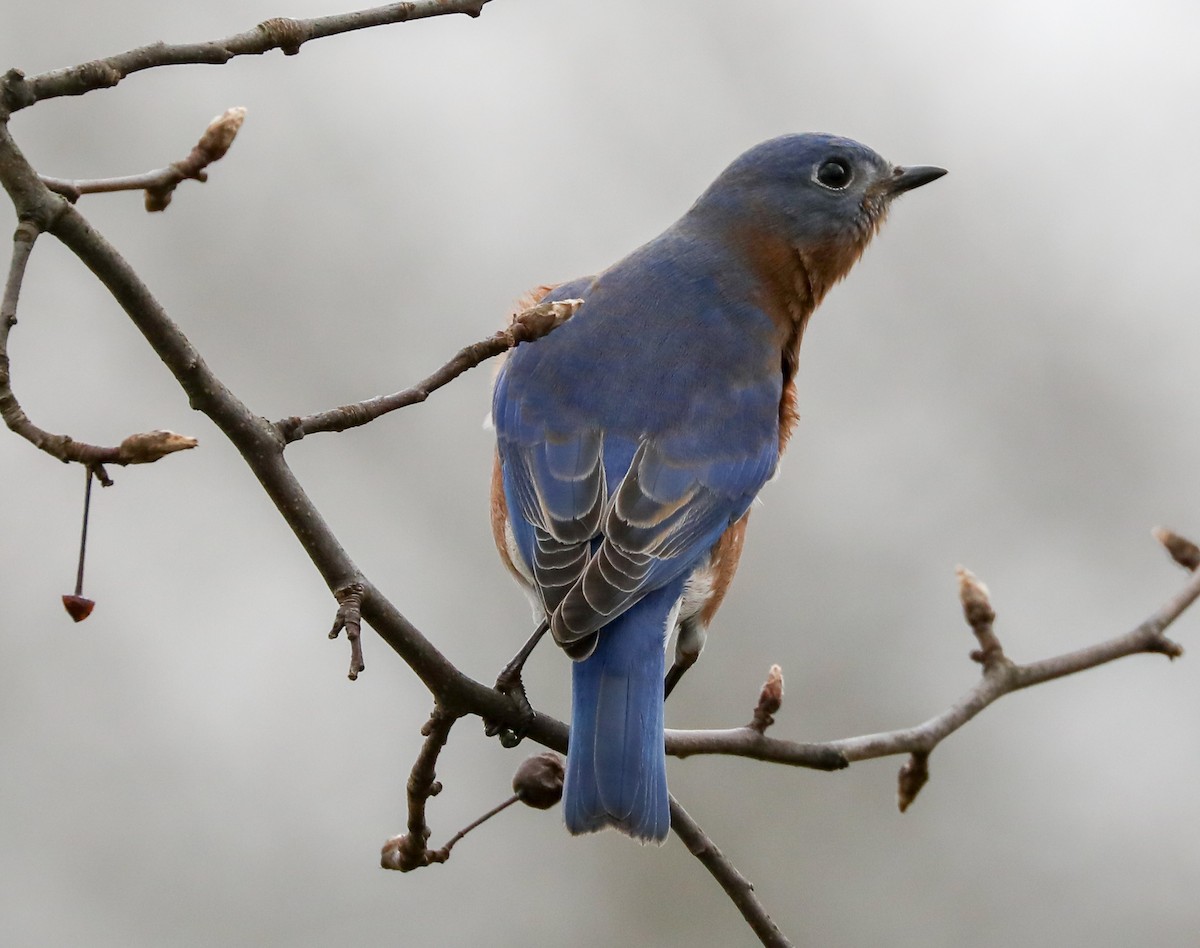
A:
<point x="998" y="679"/>
<point x="747" y="742"/>
<point x="261" y="447"/>
<point x="531" y="324"/>
<point x="736" y="886"/>
<point x="537" y="783"/>
<point x="23" y="240"/>
<point x="160" y="185"/>
<point x="18" y="92"/>
<point x="410" y="851"/>
<point x="136" y="449"/>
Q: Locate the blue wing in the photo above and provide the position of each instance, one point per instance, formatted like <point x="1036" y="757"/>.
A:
<point x="633" y="436"/>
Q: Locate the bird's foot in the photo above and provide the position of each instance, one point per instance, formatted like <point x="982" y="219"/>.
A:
<point x="509" y="684"/>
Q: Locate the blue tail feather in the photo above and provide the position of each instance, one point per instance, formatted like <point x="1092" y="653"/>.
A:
<point x="616" y="761"/>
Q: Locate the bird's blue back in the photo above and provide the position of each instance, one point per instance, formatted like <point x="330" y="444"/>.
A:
<point x="690" y="366"/>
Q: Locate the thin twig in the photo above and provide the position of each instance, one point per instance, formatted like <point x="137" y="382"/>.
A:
<point x="159" y="185"/>
<point x="444" y="853"/>
<point x="83" y="532"/>
<point x="19" y="92"/>
<point x="538" y="783"/>
<point x="24" y="238"/>
<point x="736" y="886"/>
<point x="141" y="448"/>
<point x="1182" y="550"/>
<point x="410" y="851"/>
<point x="531" y="324"/>
<point x="77" y="605"/>
<point x="996" y="681"/>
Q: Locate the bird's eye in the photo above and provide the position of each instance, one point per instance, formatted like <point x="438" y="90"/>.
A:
<point x="834" y="174"/>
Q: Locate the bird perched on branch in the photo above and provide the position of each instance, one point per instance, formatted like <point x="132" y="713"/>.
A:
<point x="632" y="440"/>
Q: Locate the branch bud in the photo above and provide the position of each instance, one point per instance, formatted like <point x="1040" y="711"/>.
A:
<point x="975" y="598"/>
<point x="151" y="445"/>
<point x="977" y="607"/>
<point x="1183" y="551"/>
<point x="221" y="132"/>
<point x="912" y="777"/>
<point x="536" y="321"/>
<point x="770" y="699"/>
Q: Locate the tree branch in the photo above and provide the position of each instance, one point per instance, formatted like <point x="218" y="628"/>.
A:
<point x="999" y="678"/>
<point x="160" y="185"/>
<point x="538" y="783"/>
<point x="410" y="851"/>
<point x="18" y="92"/>
<point x="531" y="324"/>
<point x="736" y="886"/>
<point x="141" y="448"/>
<point x="255" y="438"/>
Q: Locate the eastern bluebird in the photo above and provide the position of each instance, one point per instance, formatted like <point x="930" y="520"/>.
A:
<point x="632" y="440"/>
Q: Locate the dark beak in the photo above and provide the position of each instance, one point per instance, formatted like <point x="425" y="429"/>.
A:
<point x="905" y="179"/>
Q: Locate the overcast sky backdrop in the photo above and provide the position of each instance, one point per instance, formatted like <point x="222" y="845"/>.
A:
<point x="1008" y="380"/>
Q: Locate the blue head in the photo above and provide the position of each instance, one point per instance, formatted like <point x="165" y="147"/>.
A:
<point x="820" y="196"/>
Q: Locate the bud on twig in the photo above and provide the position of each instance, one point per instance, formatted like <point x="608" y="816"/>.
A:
<point x="213" y="145"/>
<point x="975" y="598"/>
<point x="538" y="320"/>
<point x="913" y="776"/>
<point x="151" y="445"/>
<point x="221" y="132"/>
<point x="1183" y="551"/>
<point x="977" y="607"/>
<point x="769" y="700"/>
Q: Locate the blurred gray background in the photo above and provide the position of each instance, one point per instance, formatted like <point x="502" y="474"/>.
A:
<point x="1007" y="380"/>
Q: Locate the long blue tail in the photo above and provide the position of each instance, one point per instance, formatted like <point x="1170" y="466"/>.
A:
<point x="616" y="760"/>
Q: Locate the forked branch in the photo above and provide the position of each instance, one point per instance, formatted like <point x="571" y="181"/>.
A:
<point x="1000" y="677"/>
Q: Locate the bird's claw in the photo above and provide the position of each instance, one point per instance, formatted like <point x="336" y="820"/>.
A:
<point x="509" y="683"/>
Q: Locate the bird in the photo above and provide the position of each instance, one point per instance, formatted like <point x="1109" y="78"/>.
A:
<point x="632" y="440"/>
